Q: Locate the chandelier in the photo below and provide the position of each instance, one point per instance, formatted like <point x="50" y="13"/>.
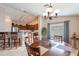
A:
<point x="50" y="12"/>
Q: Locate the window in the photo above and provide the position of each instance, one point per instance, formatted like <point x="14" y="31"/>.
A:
<point x="56" y="29"/>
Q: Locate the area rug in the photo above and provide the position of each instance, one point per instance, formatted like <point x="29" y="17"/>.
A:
<point x="43" y="50"/>
<point x="66" y="48"/>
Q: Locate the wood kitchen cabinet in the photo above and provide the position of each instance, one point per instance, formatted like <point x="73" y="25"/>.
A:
<point x="26" y="27"/>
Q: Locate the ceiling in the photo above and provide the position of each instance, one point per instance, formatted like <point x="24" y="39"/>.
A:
<point x="66" y="9"/>
<point x="16" y="15"/>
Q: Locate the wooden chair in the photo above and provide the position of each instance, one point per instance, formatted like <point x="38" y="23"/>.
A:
<point x="7" y="39"/>
<point x="28" y="49"/>
<point x="4" y="41"/>
<point x="31" y="44"/>
<point x="58" y="38"/>
<point x="32" y="51"/>
<point x="15" y="40"/>
<point x="35" y="51"/>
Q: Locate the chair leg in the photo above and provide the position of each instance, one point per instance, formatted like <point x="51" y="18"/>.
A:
<point x="9" y="42"/>
<point x="4" y="44"/>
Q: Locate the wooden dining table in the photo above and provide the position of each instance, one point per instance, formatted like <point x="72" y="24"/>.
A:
<point x="51" y="51"/>
<point x="35" y="45"/>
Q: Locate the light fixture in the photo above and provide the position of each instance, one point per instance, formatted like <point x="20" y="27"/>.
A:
<point x="50" y="12"/>
<point x="7" y="19"/>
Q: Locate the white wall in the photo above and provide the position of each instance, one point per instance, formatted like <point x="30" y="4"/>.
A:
<point x="4" y="25"/>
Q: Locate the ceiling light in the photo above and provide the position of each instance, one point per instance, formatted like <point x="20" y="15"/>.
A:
<point x="50" y="11"/>
<point x="45" y="14"/>
<point x="7" y="19"/>
<point x="56" y="11"/>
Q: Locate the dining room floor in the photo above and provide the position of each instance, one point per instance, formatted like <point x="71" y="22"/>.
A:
<point x="57" y="49"/>
<point x="60" y="49"/>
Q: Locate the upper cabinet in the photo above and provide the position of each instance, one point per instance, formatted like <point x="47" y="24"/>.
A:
<point x="26" y="27"/>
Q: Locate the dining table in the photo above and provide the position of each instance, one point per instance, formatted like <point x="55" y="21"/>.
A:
<point x="35" y="47"/>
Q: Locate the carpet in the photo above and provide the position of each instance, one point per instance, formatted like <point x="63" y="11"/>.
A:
<point x="20" y="51"/>
<point x="66" y="48"/>
<point x="43" y="50"/>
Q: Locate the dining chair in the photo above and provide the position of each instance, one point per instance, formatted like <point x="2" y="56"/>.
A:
<point x="4" y="40"/>
<point x="14" y="39"/>
<point x="32" y="51"/>
<point x="58" y="38"/>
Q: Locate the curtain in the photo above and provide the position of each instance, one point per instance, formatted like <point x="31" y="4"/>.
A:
<point x="48" y="31"/>
<point x="66" y="31"/>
